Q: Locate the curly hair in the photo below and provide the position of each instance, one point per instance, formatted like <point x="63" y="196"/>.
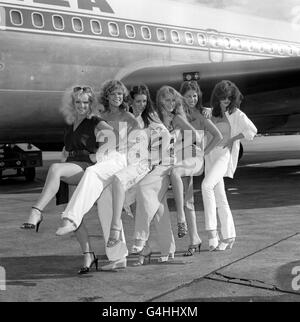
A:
<point x="192" y="86"/>
<point x="67" y="108"/>
<point x="225" y="89"/>
<point x="147" y="114"/>
<point x="162" y="93"/>
<point x="107" y="88"/>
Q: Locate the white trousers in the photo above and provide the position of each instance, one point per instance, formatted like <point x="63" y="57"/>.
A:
<point x="105" y="213"/>
<point x="151" y="203"/>
<point x="214" y="195"/>
<point x="91" y="185"/>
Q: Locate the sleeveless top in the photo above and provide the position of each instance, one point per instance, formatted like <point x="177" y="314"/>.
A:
<point x="81" y="140"/>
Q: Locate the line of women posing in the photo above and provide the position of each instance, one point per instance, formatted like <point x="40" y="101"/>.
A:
<point x="124" y="159"/>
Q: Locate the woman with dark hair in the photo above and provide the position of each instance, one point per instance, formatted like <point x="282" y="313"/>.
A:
<point x="79" y="108"/>
<point x="192" y="163"/>
<point x="222" y="161"/>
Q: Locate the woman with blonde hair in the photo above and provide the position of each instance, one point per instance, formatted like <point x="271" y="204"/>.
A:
<point x="151" y="191"/>
<point x="222" y="161"/>
<point x="111" y="158"/>
<point x="79" y="109"/>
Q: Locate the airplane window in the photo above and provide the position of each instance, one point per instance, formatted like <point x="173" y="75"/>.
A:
<point x="280" y="50"/>
<point x="213" y="41"/>
<point x="189" y="38"/>
<point x="37" y="20"/>
<point x="113" y="29"/>
<point x="96" y="27"/>
<point x="77" y="24"/>
<point x="146" y="33"/>
<point x="175" y="36"/>
<point x="16" y="17"/>
<point x="130" y="31"/>
<point x="201" y="39"/>
<point x="161" y="34"/>
<point x="58" y="22"/>
<point x="237" y="44"/>
<point x="227" y="43"/>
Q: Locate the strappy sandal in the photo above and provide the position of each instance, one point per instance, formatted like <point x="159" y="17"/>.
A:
<point x="192" y="249"/>
<point x="36" y="226"/>
<point x="86" y="269"/>
<point x="112" y="241"/>
<point x="182" y="229"/>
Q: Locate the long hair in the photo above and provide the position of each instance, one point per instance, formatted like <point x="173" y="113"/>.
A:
<point x="67" y="108"/>
<point x="161" y="94"/>
<point x="192" y="86"/>
<point x="148" y="113"/>
<point x="107" y="88"/>
<point x="225" y="89"/>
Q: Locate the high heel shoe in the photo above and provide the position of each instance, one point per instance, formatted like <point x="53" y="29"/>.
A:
<point x="86" y="269"/>
<point x="192" y="249"/>
<point x="112" y="241"/>
<point x="36" y="226"/>
<point x="113" y="265"/>
<point x="165" y="258"/>
<point x="182" y="229"/>
<point x="213" y="243"/>
<point x="227" y="243"/>
<point x="145" y="253"/>
<point x="136" y="249"/>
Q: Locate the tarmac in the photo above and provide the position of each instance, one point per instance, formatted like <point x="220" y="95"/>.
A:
<point x="264" y="264"/>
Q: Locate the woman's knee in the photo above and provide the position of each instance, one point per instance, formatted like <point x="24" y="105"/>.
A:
<point x="176" y="174"/>
<point x="206" y="185"/>
<point x="56" y="169"/>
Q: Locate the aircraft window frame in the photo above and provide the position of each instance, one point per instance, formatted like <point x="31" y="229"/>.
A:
<point x="161" y="32"/>
<point x="227" y="43"/>
<point x="177" y="40"/>
<point x="11" y="18"/>
<point x="189" y="36"/>
<point x="114" y="24"/>
<point x="93" y="29"/>
<point x="33" y="22"/>
<point x="54" y="24"/>
<point x="133" y="35"/>
<point x="204" y="41"/>
<point x="74" y="25"/>
<point x="237" y="44"/>
<point x="148" y="31"/>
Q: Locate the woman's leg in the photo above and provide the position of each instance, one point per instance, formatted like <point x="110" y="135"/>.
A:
<point x="119" y="252"/>
<point x="216" y="167"/>
<point x="118" y="198"/>
<point x="84" y="241"/>
<point x="56" y="172"/>
<point x="150" y="191"/>
<point x="224" y="212"/>
<point x="190" y="211"/>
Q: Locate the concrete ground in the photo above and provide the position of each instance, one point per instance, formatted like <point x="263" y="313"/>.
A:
<point x="264" y="264"/>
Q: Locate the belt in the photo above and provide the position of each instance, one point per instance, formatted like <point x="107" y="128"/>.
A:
<point x="78" y="153"/>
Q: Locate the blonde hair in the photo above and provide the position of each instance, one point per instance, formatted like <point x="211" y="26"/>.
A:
<point x="107" y="88"/>
<point x="162" y="93"/>
<point x="67" y="108"/>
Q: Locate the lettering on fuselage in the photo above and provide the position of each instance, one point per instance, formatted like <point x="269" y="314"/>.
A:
<point x="101" y="5"/>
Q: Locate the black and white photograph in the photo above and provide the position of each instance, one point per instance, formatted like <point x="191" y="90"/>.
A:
<point x="149" y="154"/>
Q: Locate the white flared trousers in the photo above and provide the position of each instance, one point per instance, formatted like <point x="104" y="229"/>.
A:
<point x="151" y="204"/>
<point x="214" y="195"/>
<point x="91" y="185"/>
<point x="105" y="213"/>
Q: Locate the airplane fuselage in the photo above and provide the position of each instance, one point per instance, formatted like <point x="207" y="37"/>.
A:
<point x="47" y="46"/>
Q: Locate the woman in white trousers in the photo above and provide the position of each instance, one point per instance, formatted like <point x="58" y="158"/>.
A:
<point x="192" y="164"/>
<point x="151" y="191"/>
<point x="111" y="158"/>
<point x="222" y="162"/>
